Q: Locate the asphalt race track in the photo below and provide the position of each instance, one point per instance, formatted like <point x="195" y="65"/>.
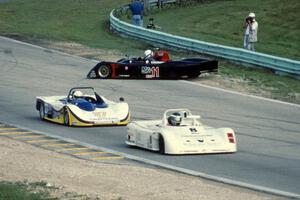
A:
<point x="268" y="132"/>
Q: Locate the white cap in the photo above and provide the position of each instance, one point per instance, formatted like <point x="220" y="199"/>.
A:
<point x="251" y="15"/>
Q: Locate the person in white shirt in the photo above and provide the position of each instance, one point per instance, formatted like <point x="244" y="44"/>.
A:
<point x="250" y="37"/>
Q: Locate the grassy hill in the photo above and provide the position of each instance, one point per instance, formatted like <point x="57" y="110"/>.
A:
<point x="222" y="22"/>
<point x="82" y="21"/>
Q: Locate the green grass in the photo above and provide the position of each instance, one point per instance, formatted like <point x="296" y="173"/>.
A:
<point x="222" y="22"/>
<point x="37" y="191"/>
<point x="86" y="22"/>
<point x="82" y="21"/>
<point x="23" y="191"/>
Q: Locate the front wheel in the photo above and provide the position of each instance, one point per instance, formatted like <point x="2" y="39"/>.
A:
<point x="42" y="110"/>
<point x="66" y="118"/>
<point x="104" y="71"/>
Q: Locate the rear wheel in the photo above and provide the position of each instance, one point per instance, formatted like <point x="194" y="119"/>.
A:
<point x="104" y="71"/>
<point x="66" y="118"/>
<point x="42" y="110"/>
<point x="161" y="144"/>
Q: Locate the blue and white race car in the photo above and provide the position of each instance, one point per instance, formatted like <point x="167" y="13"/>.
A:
<point x="83" y="107"/>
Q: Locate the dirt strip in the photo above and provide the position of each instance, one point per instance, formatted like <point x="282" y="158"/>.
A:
<point x="108" y="181"/>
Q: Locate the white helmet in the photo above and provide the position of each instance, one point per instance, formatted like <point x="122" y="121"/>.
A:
<point x="251" y="15"/>
<point x="148" y="53"/>
<point x="77" y="93"/>
<point x="175" y="119"/>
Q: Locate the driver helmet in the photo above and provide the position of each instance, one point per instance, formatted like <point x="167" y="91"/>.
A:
<point x="175" y="119"/>
<point x="148" y="53"/>
<point x="77" y="94"/>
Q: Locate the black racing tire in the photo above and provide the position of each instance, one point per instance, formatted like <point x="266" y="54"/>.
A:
<point x="42" y="110"/>
<point x="104" y="71"/>
<point x="66" y="118"/>
<point x="161" y="144"/>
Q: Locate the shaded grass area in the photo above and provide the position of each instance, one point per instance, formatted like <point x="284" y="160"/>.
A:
<point x="222" y="22"/>
<point x="24" y="191"/>
<point x="38" y="191"/>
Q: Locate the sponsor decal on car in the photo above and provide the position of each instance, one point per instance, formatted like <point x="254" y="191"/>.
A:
<point x="146" y="70"/>
<point x="151" y="72"/>
<point x="100" y="114"/>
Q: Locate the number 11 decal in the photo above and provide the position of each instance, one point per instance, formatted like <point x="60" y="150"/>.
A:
<point x="155" y="72"/>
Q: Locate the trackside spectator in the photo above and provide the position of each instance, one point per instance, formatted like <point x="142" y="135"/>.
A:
<point x="151" y="24"/>
<point x="137" y="9"/>
<point x="250" y="37"/>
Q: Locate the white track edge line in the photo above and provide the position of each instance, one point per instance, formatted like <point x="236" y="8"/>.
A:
<point x="239" y="93"/>
<point x="44" y="48"/>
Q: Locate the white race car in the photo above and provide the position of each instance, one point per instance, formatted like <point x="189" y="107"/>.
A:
<point x="83" y="109"/>
<point x="180" y="132"/>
